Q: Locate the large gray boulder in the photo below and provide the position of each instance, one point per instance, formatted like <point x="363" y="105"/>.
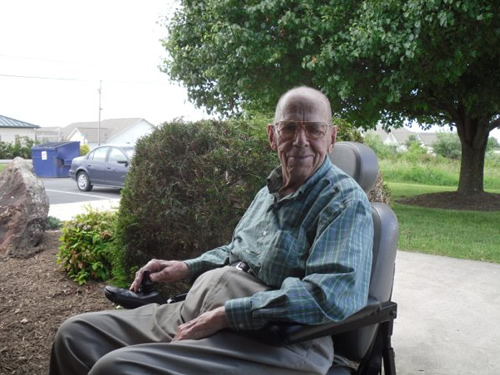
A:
<point x="24" y="207"/>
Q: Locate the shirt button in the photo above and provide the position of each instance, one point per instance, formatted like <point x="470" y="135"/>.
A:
<point x="264" y="233"/>
<point x="241" y="325"/>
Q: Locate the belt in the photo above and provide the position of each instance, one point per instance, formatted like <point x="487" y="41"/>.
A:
<point x="242" y="266"/>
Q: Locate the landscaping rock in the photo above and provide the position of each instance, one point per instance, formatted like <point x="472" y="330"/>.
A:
<point x="24" y="207"/>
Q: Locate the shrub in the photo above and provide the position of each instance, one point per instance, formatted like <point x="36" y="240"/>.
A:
<point x="412" y="142"/>
<point x="85" y="251"/>
<point x="188" y="185"/>
<point x="84" y="149"/>
<point x="53" y="223"/>
<point x="21" y="147"/>
<point x="383" y="151"/>
<point x="448" y="146"/>
<point x="346" y="131"/>
<point x="416" y="154"/>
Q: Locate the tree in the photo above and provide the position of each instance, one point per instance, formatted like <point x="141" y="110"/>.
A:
<point x="447" y="145"/>
<point x="413" y="140"/>
<point x="431" y="62"/>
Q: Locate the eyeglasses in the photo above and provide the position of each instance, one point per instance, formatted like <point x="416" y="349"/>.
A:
<point x="313" y="129"/>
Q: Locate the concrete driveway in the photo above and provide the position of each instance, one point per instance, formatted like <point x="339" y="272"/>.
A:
<point x="448" y="316"/>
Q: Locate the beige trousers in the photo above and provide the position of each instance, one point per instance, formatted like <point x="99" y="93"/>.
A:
<point x="138" y="341"/>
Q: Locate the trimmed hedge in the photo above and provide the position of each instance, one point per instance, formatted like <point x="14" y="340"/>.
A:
<point x="187" y="188"/>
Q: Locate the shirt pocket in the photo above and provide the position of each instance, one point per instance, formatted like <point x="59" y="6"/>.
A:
<point x="285" y="257"/>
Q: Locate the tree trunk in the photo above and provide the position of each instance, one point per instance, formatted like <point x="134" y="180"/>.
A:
<point x="471" y="170"/>
<point x="474" y="138"/>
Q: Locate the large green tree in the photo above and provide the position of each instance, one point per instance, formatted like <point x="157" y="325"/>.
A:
<point x="430" y="62"/>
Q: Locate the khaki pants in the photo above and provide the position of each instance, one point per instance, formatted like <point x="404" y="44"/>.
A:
<point x="138" y="341"/>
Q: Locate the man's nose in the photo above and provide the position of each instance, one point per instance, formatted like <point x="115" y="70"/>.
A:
<point x="301" y="137"/>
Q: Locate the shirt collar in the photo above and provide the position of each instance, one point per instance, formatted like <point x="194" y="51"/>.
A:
<point x="275" y="179"/>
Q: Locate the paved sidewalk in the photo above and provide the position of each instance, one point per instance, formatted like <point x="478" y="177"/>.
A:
<point x="68" y="211"/>
<point x="448" y="316"/>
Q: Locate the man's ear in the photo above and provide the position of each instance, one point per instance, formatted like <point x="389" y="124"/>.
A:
<point x="271" y="136"/>
<point x="333" y="138"/>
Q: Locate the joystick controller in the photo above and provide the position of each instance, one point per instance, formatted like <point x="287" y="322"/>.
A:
<point x="130" y="300"/>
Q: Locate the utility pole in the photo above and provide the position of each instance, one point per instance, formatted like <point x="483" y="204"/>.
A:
<point x="99" y="123"/>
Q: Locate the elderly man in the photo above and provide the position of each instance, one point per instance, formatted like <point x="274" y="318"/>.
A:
<point x="301" y="253"/>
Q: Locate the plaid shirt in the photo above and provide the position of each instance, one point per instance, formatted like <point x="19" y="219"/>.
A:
<point x="313" y="247"/>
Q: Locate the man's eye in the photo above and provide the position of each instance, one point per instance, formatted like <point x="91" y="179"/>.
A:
<point x="314" y="129"/>
<point x="289" y="128"/>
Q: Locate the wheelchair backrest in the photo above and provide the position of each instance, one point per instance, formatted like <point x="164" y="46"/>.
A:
<point x="360" y="162"/>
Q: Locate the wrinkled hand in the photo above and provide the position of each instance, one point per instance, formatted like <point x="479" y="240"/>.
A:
<point x="203" y="326"/>
<point x="161" y="271"/>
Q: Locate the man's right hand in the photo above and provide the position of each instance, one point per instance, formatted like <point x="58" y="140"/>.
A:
<point x="161" y="271"/>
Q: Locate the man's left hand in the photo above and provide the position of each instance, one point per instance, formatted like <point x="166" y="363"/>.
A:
<point x="203" y="326"/>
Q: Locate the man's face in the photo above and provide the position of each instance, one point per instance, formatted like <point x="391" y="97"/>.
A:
<point x="302" y="154"/>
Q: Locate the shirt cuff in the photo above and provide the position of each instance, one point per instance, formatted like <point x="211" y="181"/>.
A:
<point x="239" y="315"/>
<point x="194" y="267"/>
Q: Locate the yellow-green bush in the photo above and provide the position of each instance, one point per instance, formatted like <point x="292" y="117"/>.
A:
<point x="84" y="149"/>
<point x="85" y="250"/>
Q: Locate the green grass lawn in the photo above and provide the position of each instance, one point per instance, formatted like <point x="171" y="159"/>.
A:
<point x="471" y="235"/>
<point x="2" y="167"/>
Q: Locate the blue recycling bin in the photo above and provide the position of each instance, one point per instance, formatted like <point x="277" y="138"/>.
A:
<point x="53" y="159"/>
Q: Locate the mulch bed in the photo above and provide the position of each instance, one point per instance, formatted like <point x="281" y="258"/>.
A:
<point x="35" y="298"/>
<point x="456" y="201"/>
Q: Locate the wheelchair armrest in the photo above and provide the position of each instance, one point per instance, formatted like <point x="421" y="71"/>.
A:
<point x="288" y="333"/>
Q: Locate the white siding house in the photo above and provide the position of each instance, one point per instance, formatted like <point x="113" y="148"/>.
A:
<point x="113" y="131"/>
<point x="399" y="137"/>
<point x="11" y="129"/>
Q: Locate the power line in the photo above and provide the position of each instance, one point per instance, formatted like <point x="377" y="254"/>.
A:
<point x="156" y="83"/>
<point x="48" y="78"/>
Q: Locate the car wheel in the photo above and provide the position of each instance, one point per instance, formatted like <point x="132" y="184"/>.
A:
<point x="83" y="181"/>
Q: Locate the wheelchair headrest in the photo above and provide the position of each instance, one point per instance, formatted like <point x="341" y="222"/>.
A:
<point x="358" y="161"/>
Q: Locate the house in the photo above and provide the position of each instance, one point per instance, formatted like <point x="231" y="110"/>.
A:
<point x="399" y="137"/>
<point x="113" y="131"/>
<point x="428" y="140"/>
<point x="12" y="130"/>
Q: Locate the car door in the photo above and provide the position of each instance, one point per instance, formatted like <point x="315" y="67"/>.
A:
<point x="116" y="167"/>
<point x="96" y="165"/>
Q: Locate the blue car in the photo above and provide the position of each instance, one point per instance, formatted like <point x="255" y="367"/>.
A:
<point x="104" y="165"/>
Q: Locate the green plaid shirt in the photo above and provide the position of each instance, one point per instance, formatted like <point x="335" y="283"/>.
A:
<point x="313" y="247"/>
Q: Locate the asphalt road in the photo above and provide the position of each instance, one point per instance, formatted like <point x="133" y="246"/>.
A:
<point x="64" y="190"/>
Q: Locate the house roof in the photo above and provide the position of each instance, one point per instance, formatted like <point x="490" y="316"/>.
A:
<point x="108" y="128"/>
<point x="91" y="133"/>
<point x="428" y="138"/>
<point x="402" y="135"/>
<point x="49" y="129"/>
<point x="7" y="122"/>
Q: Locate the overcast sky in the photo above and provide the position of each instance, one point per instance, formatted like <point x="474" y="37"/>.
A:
<point x="54" y="53"/>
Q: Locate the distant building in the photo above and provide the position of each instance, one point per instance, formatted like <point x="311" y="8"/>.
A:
<point x="113" y="131"/>
<point x="399" y="137"/>
<point x="12" y="129"/>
